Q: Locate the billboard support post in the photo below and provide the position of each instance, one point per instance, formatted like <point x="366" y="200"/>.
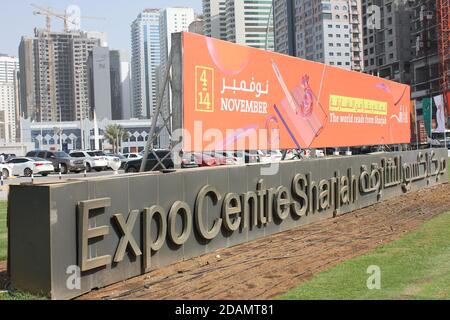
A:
<point x="153" y="135"/>
<point x="173" y="81"/>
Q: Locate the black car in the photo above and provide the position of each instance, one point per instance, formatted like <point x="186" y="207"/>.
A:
<point x="251" y="156"/>
<point x="152" y="162"/>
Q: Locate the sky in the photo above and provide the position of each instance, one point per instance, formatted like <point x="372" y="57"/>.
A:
<point x="17" y="19"/>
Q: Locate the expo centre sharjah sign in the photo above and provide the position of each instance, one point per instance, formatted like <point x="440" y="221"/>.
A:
<point x="82" y="234"/>
<point x="105" y="230"/>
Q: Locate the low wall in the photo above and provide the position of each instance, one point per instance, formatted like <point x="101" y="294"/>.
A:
<point x="67" y="238"/>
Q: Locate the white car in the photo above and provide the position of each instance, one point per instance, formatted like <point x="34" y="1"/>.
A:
<point x="232" y="157"/>
<point x="266" y="156"/>
<point x="91" y="160"/>
<point x="5" y="170"/>
<point x="27" y="166"/>
<point x="319" y="153"/>
<point x="295" y="154"/>
<point x="113" y="161"/>
<point x="133" y="156"/>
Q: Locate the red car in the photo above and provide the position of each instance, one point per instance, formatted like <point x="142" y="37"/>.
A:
<point x="206" y="159"/>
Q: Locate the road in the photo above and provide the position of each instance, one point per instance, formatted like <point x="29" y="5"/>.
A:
<point x="49" y="178"/>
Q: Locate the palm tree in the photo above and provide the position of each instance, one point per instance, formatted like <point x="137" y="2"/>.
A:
<point x="57" y="132"/>
<point x="115" y="134"/>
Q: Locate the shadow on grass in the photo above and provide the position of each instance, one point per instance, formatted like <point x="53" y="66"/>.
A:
<point x="6" y="294"/>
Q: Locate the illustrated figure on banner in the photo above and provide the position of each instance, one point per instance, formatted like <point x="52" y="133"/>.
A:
<point x="440" y="113"/>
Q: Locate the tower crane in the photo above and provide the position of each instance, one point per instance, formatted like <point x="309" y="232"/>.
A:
<point x="443" y="22"/>
<point x="49" y="13"/>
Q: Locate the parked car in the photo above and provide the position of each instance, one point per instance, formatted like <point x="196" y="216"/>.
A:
<point x="251" y="156"/>
<point x="6" y="157"/>
<point x="111" y="159"/>
<point x="152" y="162"/>
<point x="230" y="157"/>
<point x="442" y="137"/>
<point x="319" y="153"/>
<point x="206" y="159"/>
<point x="133" y="156"/>
<point x="295" y="154"/>
<point x="59" y="159"/>
<point x="91" y="160"/>
<point x="188" y="160"/>
<point x="5" y="170"/>
<point x="26" y="166"/>
<point x="270" y="155"/>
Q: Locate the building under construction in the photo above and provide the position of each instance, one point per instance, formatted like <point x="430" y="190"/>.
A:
<point x="430" y="61"/>
<point x="387" y="41"/>
<point x="54" y="75"/>
<point x="408" y="41"/>
<point x="425" y="60"/>
<point x="323" y="31"/>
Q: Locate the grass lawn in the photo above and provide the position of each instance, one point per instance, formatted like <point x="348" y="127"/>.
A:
<point x="417" y="266"/>
<point x="448" y="167"/>
<point x="19" y="296"/>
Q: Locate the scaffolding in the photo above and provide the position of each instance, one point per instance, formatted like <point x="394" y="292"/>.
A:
<point x="443" y="8"/>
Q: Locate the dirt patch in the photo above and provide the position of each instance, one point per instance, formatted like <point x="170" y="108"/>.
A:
<point x="267" y="267"/>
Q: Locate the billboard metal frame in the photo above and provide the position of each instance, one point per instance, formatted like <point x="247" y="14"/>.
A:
<point x="173" y="82"/>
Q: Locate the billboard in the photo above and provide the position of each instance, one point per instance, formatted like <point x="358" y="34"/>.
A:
<point x="448" y="102"/>
<point x="237" y="97"/>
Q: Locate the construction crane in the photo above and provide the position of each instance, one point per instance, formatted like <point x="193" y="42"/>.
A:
<point x="443" y="22"/>
<point x="49" y="13"/>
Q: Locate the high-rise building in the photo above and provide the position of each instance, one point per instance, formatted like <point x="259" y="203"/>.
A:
<point x="172" y="20"/>
<point x="284" y="28"/>
<point x="120" y="85"/>
<point x="145" y="59"/>
<point x="425" y="71"/>
<point x="9" y="102"/>
<point x="54" y="75"/>
<point x="325" y="31"/>
<point x="387" y="39"/>
<point x="245" y="22"/>
<point x="28" y="104"/>
<point x="100" y="82"/>
<point x="214" y="16"/>
<point x="198" y="25"/>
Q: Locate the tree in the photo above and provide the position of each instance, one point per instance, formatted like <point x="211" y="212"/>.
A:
<point x="115" y="135"/>
<point x="57" y="132"/>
